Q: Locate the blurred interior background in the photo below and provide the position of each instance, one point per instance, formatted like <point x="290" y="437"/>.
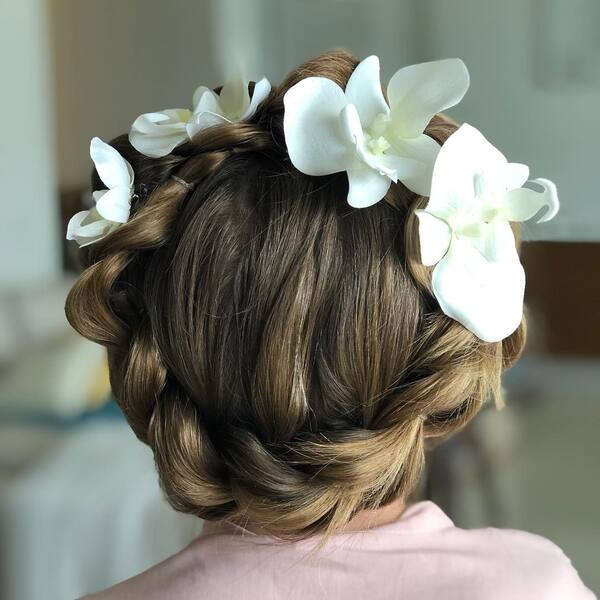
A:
<point x="79" y="504"/>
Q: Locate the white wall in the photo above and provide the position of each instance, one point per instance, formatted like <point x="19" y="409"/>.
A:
<point x="116" y="59"/>
<point x="29" y="249"/>
<point x="554" y="129"/>
<point x="296" y="30"/>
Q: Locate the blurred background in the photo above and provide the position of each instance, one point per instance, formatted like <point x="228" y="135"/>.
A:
<point x="79" y="504"/>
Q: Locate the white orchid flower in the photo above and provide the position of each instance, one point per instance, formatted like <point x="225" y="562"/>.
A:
<point x="329" y="130"/>
<point x="234" y="103"/>
<point x="111" y="205"/>
<point x="157" y="134"/>
<point x="465" y="231"/>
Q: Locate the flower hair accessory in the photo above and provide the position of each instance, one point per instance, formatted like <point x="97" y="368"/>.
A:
<point x="329" y="130"/>
<point x="474" y="192"/>
<point x="157" y="134"/>
<point x="465" y="231"/>
<point x="111" y="205"/>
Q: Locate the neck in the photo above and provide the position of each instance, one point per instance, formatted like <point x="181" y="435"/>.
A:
<point x="365" y="519"/>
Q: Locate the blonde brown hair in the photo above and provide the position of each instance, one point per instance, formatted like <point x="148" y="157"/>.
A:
<point x="280" y="352"/>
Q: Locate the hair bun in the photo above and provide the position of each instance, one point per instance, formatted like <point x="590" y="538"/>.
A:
<point x="280" y="352"/>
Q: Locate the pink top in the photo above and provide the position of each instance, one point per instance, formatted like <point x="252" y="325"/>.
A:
<point x="421" y="555"/>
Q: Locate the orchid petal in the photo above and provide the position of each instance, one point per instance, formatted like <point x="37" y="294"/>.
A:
<point x="94" y="225"/>
<point x="114" y="205"/>
<point x="234" y="98"/>
<point x="147" y="122"/>
<point x="352" y="130"/>
<point x="418" y="92"/>
<point x="495" y="241"/>
<point x="500" y="243"/>
<point x="516" y="175"/>
<point x="351" y="126"/>
<point x="75" y="223"/>
<point x="423" y="152"/>
<point x="486" y="297"/>
<point x="365" y="186"/>
<point x="434" y="237"/>
<point x="466" y="160"/>
<point x="87" y="227"/>
<point x="157" y="146"/>
<point x="393" y="167"/>
<point x="523" y="203"/>
<point x="112" y="168"/>
<point x="157" y="134"/>
<point x="315" y="141"/>
<point x="261" y="91"/>
<point x="363" y="90"/>
<point x="96" y="195"/>
<point x="177" y="116"/>
<point x="205" y="99"/>
<point x="399" y="168"/>
<point x="169" y="119"/>
<point x="204" y="120"/>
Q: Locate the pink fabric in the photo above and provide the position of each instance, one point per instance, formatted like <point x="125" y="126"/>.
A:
<point x="420" y="556"/>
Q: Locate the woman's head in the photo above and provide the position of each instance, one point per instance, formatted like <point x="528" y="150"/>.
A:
<point x="281" y="352"/>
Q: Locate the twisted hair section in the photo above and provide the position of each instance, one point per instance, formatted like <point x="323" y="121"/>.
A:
<point x="281" y="352"/>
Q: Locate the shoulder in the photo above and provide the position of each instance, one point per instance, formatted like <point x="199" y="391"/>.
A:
<point x="189" y="574"/>
<point x="528" y="565"/>
<point x="176" y="577"/>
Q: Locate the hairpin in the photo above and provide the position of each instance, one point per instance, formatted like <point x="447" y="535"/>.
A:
<point x="329" y="129"/>
<point x="465" y="232"/>
<point x="156" y="134"/>
<point x="111" y="205"/>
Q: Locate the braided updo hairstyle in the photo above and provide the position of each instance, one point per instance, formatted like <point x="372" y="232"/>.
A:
<point x="280" y="352"/>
